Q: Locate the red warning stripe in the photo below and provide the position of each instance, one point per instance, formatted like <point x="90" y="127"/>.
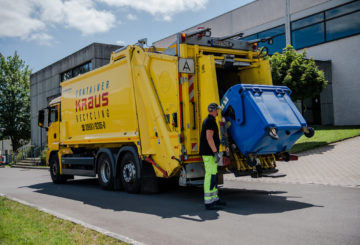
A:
<point x="191" y="89"/>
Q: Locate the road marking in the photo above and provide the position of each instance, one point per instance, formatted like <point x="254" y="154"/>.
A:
<point x="87" y="225"/>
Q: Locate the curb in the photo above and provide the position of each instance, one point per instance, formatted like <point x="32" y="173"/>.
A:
<point x="76" y="221"/>
<point x="30" y="167"/>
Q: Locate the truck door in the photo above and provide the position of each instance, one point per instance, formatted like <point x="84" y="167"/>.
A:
<point x="53" y="130"/>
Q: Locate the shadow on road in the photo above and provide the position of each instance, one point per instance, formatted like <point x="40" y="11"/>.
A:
<point x="185" y="203"/>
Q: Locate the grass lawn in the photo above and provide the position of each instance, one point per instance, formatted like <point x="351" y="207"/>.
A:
<point x="325" y="135"/>
<point x="20" y="224"/>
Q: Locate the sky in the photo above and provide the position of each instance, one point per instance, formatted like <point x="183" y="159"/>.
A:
<point x="44" y="31"/>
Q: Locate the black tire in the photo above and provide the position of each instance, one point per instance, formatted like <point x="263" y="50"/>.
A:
<point x="286" y="156"/>
<point x="55" y="170"/>
<point x="105" y="172"/>
<point x="311" y="132"/>
<point x="130" y="173"/>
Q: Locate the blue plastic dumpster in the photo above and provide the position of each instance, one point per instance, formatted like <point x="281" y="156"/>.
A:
<point x="263" y="118"/>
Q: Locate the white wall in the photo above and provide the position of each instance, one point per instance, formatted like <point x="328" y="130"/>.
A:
<point x="345" y="64"/>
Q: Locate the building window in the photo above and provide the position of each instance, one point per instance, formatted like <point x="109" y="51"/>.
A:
<point x="326" y="26"/>
<point x="308" y="36"/>
<point x="76" y="71"/>
<point x="345" y="9"/>
<point x="248" y="38"/>
<point x="343" y="26"/>
<point x="307" y="21"/>
<point x="278" y="35"/>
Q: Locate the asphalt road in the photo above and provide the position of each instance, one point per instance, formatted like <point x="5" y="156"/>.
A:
<point x="257" y="213"/>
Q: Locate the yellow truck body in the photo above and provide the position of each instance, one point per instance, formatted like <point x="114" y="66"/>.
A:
<point x="149" y="102"/>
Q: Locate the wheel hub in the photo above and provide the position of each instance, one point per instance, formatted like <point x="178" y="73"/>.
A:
<point x="105" y="172"/>
<point x="54" y="169"/>
<point x="129" y="172"/>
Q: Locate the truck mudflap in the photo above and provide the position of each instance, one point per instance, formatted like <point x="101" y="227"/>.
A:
<point x="149" y="160"/>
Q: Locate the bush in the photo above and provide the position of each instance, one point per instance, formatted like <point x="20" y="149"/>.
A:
<point x="297" y="72"/>
<point x="43" y="156"/>
<point x="21" y="154"/>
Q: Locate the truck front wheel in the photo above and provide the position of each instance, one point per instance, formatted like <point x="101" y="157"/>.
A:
<point x="105" y="173"/>
<point x="55" y="170"/>
<point x="129" y="173"/>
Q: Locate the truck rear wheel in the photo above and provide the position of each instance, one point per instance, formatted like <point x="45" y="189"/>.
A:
<point x="55" y="170"/>
<point x="129" y="173"/>
<point x="105" y="172"/>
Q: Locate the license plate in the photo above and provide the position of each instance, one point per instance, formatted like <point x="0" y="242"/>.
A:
<point x="222" y="44"/>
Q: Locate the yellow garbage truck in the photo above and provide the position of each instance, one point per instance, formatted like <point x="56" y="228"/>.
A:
<point x="139" y="118"/>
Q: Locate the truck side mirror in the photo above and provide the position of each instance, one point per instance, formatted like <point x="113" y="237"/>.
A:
<point x="41" y="118"/>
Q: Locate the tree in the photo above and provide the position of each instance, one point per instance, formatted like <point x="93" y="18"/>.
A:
<point x="14" y="99"/>
<point x="297" y="72"/>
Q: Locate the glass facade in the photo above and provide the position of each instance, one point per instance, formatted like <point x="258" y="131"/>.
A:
<point x="345" y="9"/>
<point x="329" y="25"/>
<point x="307" y="21"/>
<point x="278" y="34"/>
<point x="308" y="36"/>
<point x="76" y="71"/>
<point x="343" y="26"/>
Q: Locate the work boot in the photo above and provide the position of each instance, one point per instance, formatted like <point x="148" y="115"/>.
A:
<point x="212" y="206"/>
<point x="220" y="203"/>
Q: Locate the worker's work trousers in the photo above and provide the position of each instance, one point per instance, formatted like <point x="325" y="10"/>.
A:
<point x="211" y="179"/>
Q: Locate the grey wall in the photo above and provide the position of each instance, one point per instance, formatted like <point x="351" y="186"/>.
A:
<point x="45" y="84"/>
<point x="344" y="55"/>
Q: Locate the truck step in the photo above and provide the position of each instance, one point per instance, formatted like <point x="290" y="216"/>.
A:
<point x="80" y="172"/>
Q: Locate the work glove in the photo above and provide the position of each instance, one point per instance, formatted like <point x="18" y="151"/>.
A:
<point x="217" y="156"/>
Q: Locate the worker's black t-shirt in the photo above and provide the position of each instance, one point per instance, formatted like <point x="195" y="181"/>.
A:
<point x="209" y="124"/>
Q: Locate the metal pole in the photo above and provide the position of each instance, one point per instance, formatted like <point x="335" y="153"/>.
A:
<point x="287" y="22"/>
<point x="2" y="139"/>
<point x="2" y="143"/>
<point x="40" y="140"/>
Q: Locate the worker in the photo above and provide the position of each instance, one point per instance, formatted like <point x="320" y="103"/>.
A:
<point x="209" y="150"/>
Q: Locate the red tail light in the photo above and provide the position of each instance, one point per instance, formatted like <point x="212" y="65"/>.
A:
<point x="183" y="37"/>
<point x="255" y="46"/>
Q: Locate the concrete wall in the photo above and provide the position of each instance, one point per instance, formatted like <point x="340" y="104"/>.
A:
<point x="344" y="55"/>
<point x="45" y="84"/>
